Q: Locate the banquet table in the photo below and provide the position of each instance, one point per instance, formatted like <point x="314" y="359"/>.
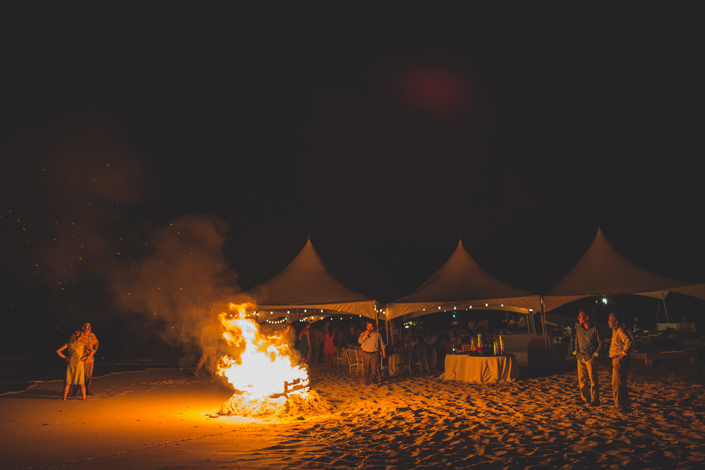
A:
<point x="477" y="370"/>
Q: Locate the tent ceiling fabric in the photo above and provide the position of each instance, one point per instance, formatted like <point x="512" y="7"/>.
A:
<point x="306" y="283"/>
<point x="604" y="271"/>
<point x="693" y="290"/>
<point x="658" y="294"/>
<point x="461" y="283"/>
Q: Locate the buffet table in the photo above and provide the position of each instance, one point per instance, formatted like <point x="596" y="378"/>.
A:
<point x="475" y="369"/>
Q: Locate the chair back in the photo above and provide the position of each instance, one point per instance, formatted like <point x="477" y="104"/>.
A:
<point x="354" y="360"/>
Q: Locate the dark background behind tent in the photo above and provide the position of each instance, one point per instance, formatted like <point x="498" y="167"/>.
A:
<point x="386" y="134"/>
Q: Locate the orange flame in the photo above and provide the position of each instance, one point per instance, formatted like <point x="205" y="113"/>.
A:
<point x="265" y="363"/>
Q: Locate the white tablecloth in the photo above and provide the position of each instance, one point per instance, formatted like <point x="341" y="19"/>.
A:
<point x="480" y="369"/>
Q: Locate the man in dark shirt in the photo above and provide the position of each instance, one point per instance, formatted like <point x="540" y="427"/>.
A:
<point x="587" y="348"/>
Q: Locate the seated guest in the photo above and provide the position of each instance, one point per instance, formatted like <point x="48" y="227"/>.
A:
<point x="513" y="324"/>
<point x="443" y="347"/>
<point x="430" y="337"/>
<point x="471" y="327"/>
<point x="485" y="329"/>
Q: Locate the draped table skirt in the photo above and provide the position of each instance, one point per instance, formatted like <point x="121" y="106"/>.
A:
<point x="479" y="370"/>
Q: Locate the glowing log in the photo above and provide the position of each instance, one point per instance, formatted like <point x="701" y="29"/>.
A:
<point x="265" y="375"/>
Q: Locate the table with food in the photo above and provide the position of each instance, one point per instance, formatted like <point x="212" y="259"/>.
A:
<point x="481" y="361"/>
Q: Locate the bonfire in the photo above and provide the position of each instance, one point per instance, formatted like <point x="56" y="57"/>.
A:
<point x="266" y="376"/>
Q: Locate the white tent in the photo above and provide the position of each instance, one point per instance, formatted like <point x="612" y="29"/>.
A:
<point x="462" y="284"/>
<point x="604" y="271"/>
<point x="306" y="284"/>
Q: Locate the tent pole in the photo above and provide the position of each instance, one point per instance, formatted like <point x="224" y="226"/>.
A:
<point x="544" y="331"/>
<point x="663" y="297"/>
<point x="528" y="322"/>
<point x="386" y="322"/>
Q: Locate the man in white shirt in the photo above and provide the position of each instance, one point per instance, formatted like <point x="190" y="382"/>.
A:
<point x="621" y="346"/>
<point x="372" y="347"/>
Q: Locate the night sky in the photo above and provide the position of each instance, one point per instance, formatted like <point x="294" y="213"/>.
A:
<point x="385" y="133"/>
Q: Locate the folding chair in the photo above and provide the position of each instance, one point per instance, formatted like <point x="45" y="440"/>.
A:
<point x="418" y="362"/>
<point x="337" y="358"/>
<point x="384" y="367"/>
<point x="403" y="361"/>
<point x="354" y="360"/>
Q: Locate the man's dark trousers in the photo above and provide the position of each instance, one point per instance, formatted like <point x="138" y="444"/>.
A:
<point x="370" y="366"/>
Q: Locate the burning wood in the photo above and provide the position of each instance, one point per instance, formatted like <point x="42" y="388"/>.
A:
<point x="297" y="385"/>
<point x="257" y="374"/>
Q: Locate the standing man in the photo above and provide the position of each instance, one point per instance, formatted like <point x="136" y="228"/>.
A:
<point x="316" y="338"/>
<point x="90" y="347"/>
<point x="587" y="348"/>
<point x="372" y="347"/>
<point x="209" y="342"/>
<point x="621" y="346"/>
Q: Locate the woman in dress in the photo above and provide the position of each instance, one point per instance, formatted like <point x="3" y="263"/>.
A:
<point x="305" y="343"/>
<point x="74" y="364"/>
<point x="328" y="348"/>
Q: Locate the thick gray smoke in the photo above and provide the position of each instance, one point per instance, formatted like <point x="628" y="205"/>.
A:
<point x="182" y="281"/>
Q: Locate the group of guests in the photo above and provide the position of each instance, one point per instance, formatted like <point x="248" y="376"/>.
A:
<point x="316" y="345"/>
<point x="311" y="341"/>
<point x="81" y="348"/>
<point x="588" y="345"/>
<point x="83" y="345"/>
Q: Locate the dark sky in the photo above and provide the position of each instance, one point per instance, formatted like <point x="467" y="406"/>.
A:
<point x="385" y="133"/>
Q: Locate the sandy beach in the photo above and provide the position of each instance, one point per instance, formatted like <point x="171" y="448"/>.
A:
<point x="163" y="419"/>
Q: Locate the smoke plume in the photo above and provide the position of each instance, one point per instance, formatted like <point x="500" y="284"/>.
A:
<point x="67" y="205"/>
<point x="183" y="279"/>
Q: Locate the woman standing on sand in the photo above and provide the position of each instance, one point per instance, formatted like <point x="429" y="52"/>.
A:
<point x="74" y="366"/>
<point x="305" y="342"/>
<point x="328" y="348"/>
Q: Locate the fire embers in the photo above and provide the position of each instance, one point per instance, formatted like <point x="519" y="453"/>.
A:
<point x="291" y="406"/>
<point x="264" y="377"/>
